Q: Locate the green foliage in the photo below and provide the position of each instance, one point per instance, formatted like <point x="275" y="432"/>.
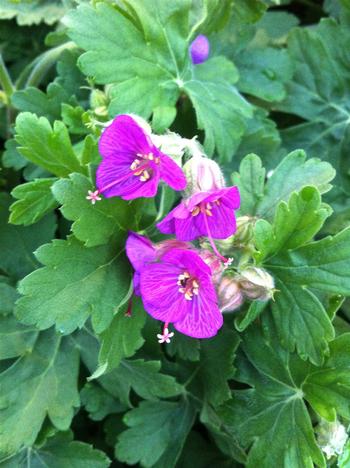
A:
<point x="57" y="452"/>
<point x="35" y="11"/>
<point x="35" y="200"/>
<point x="152" y="78"/>
<point x="83" y="379"/>
<point x="46" y="385"/>
<point x="157" y="433"/>
<point x="48" y="147"/>
<point x="112" y="216"/>
<point x="78" y="283"/>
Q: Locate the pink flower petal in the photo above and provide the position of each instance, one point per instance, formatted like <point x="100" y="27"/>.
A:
<point x="171" y="173"/>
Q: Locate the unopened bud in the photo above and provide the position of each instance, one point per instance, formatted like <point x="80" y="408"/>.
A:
<point x="199" y="49"/>
<point x="331" y="437"/>
<point x="230" y="294"/>
<point x="98" y="99"/>
<point x="164" y="246"/>
<point x="171" y="144"/>
<point x="245" y="230"/>
<point x="257" y="283"/>
<point x="214" y="263"/>
<point x="203" y="174"/>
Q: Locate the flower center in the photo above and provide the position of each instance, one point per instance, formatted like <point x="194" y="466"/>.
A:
<point x="204" y="208"/>
<point x="141" y="166"/>
<point x="188" y="286"/>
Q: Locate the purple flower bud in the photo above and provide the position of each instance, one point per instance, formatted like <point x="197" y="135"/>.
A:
<point x="230" y="295"/>
<point x="199" y="49"/>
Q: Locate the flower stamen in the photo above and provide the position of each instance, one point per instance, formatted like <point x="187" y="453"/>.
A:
<point x="189" y="285"/>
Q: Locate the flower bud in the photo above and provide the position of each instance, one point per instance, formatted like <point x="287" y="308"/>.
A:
<point x="257" y="283"/>
<point x="164" y="246"/>
<point x="171" y="144"/>
<point x="99" y="102"/>
<point x="199" y="49"/>
<point x="215" y="264"/>
<point x="245" y="230"/>
<point x="331" y="437"/>
<point x="230" y="295"/>
<point x="203" y="174"/>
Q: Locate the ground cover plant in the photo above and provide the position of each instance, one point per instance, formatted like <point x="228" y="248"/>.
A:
<point x="175" y="240"/>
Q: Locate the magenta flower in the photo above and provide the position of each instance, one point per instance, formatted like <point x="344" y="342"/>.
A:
<point x="141" y="251"/>
<point x="132" y="165"/>
<point x="199" y="49"/>
<point x="209" y="214"/>
<point x="176" y="285"/>
<point x="178" y="289"/>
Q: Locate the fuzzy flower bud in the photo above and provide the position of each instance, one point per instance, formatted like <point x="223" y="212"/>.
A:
<point x="203" y="174"/>
<point x="212" y="260"/>
<point x="245" y="230"/>
<point x="171" y="144"/>
<point x="331" y="437"/>
<point x="257" y="283"/>
<point x="230" y="295"/>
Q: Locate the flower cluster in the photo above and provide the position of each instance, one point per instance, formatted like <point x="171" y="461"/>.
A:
<point x="179" y="282"/>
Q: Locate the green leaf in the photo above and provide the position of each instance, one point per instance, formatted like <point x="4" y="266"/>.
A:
<point x="74" y="283"/>
<point x="153" y="77"/>
<point x="295" y="223"/>
<point x="328" y="389"/>
<point x="199" y="453"/>
<point x="99" y="403"/>
<point x="291" y="175"/>
<point x="33" y="12"/>
<point x="8" y="296"/>
<point x="48" y="147"/>
<point x="250" y="180"/>
<point x="43" y="383"/>
<point x="58" y="452"/>
<point x="254" y="310"/>
<point x="321" y="100"/>
<point x="15" y="339"/>
<point x="42" y="104"/>
<point x="185" y="347"/>
<point x="157" y="433"/>
<point x="35" y="200"/>
<point x="18" y="243"/>
<point x="301" y="320"/>
<point x="271" y="415"/>
<point x="323" y="264"/>
<point x="206" y="83"/>
<point x="216" y="367"/>
<point x="121" y="339"/>
<point x="94" y="224"/>
<point x="264" y="72"/>
<point x="263" y="130"/>
<point x="143" y="377"/>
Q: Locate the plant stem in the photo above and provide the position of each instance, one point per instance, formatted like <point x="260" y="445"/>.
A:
<point x="5" y="79"/>
<point x="48" y="58"/>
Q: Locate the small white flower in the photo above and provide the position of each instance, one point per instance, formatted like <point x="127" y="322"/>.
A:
<point x="93" y="196"/>
<point x="165" y="337"/>
<point x="332" y="438"/>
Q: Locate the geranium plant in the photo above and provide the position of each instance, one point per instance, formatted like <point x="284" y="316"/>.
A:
<point x="175" y="240"/>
